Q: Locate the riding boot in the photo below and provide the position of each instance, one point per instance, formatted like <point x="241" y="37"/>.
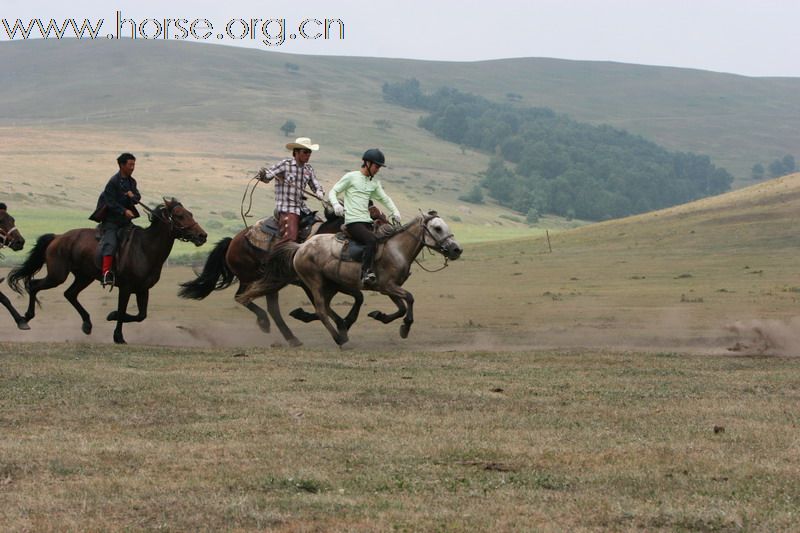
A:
<point x="368" y="277"/>
<point x="108" y="274"/>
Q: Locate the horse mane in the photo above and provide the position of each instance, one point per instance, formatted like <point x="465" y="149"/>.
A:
<point x="160" y="211"/>
<point x="388" y="231"/>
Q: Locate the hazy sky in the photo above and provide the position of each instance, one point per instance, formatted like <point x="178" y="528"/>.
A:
<point x="755" y="38"/>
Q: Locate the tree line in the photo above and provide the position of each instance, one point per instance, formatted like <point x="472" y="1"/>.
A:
<point x="546" y="162"/>
<point x="779" y="167"/>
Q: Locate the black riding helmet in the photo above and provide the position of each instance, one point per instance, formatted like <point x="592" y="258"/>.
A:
<point x="373" y="155"/>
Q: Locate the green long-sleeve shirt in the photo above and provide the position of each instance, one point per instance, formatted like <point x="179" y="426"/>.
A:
<point x="358" y="190"/>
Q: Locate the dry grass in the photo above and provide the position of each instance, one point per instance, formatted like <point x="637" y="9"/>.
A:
<point x="98" y="437"/>
<point x="596" y="387"/>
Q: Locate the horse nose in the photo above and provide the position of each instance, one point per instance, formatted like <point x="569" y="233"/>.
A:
<point x="457" y="251"/>
<point x="17" y="244"/>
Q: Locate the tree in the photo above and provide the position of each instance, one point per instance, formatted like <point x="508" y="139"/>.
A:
<point x="475" y="196"/>
<point x="288" y="127"/>
<point x="758" y="171"/>
<point x="789" y="164"/>
<point x="776" y="169"/>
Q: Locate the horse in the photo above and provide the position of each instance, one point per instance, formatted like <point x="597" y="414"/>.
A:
<point x="235" y="258"/>
<point x="318" y="262"/>
<point x="11" y="237"/>
<point x="141" y="257"/>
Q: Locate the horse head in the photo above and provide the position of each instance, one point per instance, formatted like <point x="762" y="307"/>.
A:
<point x="182" y="224"/>
<point x="438" y="237"/>
<point x="9" y="234"/>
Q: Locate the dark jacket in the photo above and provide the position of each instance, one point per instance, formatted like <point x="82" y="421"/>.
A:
<point x="114" y="200"/>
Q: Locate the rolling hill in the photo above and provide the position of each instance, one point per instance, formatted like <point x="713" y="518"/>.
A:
<point x="202" y="118"/>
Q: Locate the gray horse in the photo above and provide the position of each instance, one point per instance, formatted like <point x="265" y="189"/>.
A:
<point x="319" y="264"/>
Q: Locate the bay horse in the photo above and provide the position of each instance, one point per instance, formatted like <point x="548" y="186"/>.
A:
<point x="11" y="237"/>
<point x="140" y="260"/>
<point x="234" y="258"/>
<point x="319" y="265"/>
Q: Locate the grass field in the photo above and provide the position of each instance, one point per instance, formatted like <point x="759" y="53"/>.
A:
<point x="641" y="376"/>
<point x="99" y="437"/>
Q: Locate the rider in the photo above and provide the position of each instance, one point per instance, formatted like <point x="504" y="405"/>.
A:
<point x="293" y="175"/>
<point x="116" y="207"/>
<point x="358" y="188"/>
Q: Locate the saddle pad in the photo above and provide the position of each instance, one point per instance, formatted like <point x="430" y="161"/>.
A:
<point x="353" y="251"/>
<point x="262" y="233"/>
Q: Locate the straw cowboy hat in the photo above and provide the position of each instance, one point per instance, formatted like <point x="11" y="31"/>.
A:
<point x="302" y="142"/>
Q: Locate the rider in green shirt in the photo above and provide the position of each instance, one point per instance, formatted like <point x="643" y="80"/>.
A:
<point x="358" y="188"/>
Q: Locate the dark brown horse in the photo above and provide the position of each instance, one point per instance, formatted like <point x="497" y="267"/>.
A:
<point x="11" y="237"/>
<point x="235" y="258"/>
<point x="140" y="259"/>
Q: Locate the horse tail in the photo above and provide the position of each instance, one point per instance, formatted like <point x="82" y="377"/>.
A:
<point x="215" y="275"/>
<point x="20" y="276"/>
<point x="280" y="266"/>
<point x="278" y="272"/>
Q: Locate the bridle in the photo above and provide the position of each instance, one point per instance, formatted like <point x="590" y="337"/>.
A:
<point x="437" y="246"/>
<point x="165" y="216"/>
<point x="5" y="236"/>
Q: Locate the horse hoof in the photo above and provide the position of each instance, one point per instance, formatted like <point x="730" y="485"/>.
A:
<point x="404" y="329"/>
<point x="119" y="340"/>
<point x="263" y="325"/>
<point x="294" y="342"/>
<point x="377" y="315"/>
<point x="341" y="339"/>
<point x="112" y="316"/>
<point x="23" y="325"/>
<point x="86" y="327"/>
<point x="302" y="315"/>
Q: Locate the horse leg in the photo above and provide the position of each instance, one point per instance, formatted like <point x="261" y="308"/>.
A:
<point x="341" y="327"/>
<point x="358" y="297"/>
<point x="300" y="313"/>
<point x="404" y="301"/>
<point x="119" y="314"/>
<point x="71" y="294"/>
<point x="261" y="316"/>
<point x="321" y="299"/>
<point x="358" y="300"/>
<point x="54" y="278"/>
<point x="21" y="322"/>
<point x="142" y="299"/>
<point x="274" y="308"/>
<point x="384" y="318"/>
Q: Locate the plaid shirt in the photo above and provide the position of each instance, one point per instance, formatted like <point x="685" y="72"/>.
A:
<point x="289" y="189"/>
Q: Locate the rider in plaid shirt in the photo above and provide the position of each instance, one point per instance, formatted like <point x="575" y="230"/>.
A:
<point x="292" y="176"/>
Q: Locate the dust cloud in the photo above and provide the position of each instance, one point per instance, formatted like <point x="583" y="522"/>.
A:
<point x="766" y="337"/>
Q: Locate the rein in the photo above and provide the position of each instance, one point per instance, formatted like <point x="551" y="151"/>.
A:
<point x="4" y="236"/>
<point x="426" y="245"/>
<point x="166" y="218"/>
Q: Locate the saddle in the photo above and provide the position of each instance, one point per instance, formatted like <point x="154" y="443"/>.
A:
<point x="353" y="251"/>
<point x="124" y="236"/>
<point x="263" y="233"/>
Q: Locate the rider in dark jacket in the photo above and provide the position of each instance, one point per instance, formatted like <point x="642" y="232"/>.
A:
<point x="116" y="207"/>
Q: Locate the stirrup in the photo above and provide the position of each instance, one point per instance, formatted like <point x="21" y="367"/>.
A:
<point x="108" y="280"/>
<point x="368" y="278"/>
